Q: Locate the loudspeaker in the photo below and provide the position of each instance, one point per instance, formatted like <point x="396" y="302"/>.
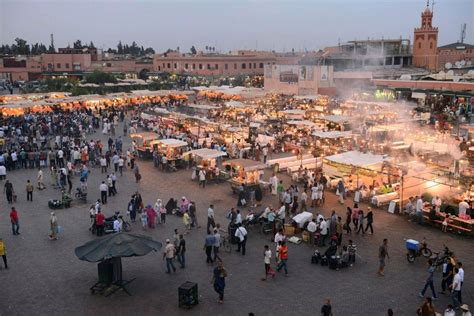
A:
<point x="188" y="295"/>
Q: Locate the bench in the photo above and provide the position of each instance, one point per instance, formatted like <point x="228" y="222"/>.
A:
<point x="452" y="226"/>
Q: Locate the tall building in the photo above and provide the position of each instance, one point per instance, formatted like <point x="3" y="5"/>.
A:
<point x="425" y="45"/>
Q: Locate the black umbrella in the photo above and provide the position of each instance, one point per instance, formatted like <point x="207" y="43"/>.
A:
<point x="115" y="246"/>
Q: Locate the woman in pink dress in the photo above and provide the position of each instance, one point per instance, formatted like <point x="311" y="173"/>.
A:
<point x="150" y="213"/>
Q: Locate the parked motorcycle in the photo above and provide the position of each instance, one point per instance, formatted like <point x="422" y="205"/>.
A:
<point x="109" y="224"/>
<point x="416" y="249"/>
<point x="81" y="195"/>
<point x="439" y="260"/>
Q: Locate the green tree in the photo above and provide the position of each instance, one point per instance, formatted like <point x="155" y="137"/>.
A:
<point x="120" y="48"/>
<point x="100" y="77"/>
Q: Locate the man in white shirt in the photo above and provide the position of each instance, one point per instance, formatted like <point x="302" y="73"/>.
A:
<point x="103" y="192"/>
<point x="121" y="162"/>
<point x="461" y="276"/>
<point x="61" y="158"/>
<point x="210" y="218"/>
<point x="456" y="288"/>
<point x="463" y="207"/>
<point x="103" y="164"/>
<point x="238" y="218"/>
<point x="282" y="213"/>
<point x="202" y="178"/>
<point x="267" y="257"/>
<point x="241" y="233"/>
<point x="323" y="227"/>
<point x="311" y="228"/>
<point x="3" y="172"/>
<point x="117" y="225"/>
<point x="436" y="203"/>
<point x="419" y="209"/>
<point x="304" y="198"/>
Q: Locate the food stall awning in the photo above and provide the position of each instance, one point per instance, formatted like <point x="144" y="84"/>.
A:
<point x="264" y="139"/>
<point x="235" y="104"/>
<point x="146" y="136"/>
<point x="294" y="112"/>
<point x="206" y="153"/>
<point x="357" y="159"/>
<point x="336" y="118"/>
<point x="170" y="142"/>
<point x="303" y="123"/>
<point x="247" y="164"/>
<point x="387" y="128"/>
<point x="333" y="134"/>
<point x="306" y="97"/>
<point x="204" y="106"/>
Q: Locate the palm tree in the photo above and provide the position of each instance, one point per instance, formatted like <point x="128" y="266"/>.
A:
<point x="207" y="48"/>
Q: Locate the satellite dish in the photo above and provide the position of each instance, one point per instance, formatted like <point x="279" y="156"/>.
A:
<point x="450" y="73"/>
<point x="471" y="72"/>
<point x="448" y="65"/>
<point x="405" y="77"/>
<point x="442" y="73"/>
<point x="463" y="63"/>
<point x="458" y="64"/>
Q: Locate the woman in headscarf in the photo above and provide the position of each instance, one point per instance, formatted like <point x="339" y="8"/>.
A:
<point x="150" y="214"/>
<point x="53" y="222"/>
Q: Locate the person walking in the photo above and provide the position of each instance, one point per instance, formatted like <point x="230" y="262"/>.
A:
<point x="209" y="242"/>
<point x="103" y="192"/>
<point x="192" y="214"/>
<point x="241" y="234"/>
<point x="53" y="224"/>
<point x="99" y="222"/>
<point x="180" y="252"/>
<point x="210" y="218"/>
<point x="218" y="280"/>
<point x="326" y="309"/>
<point x="217" y="244"/>
<point x="370" y="220"/>
<point x="461" y="275"/>
<point x="267" y="258"/>
<point x="429" y="281"/>
<point x="448" y="274"/>
<point x="29" y="191"/>
<point x="8" y="189"/>
<point x="347" y="225"/>
<point x="456" y="289"/>
<point x="3" y="253"/>
<point x="283" y="257"/>
<point x="169" y="254"/>
<point x="15" y="221"/>
<point x="361" y="222"/>
<point x="339" y="230"/>
<point x="202" y="178"/>
<point x="39" y="180"/>
<point x="426" y="308"/>
<point x="383" y="252"/>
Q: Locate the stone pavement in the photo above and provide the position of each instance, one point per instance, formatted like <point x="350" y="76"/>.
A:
<point x="45" y="277"/>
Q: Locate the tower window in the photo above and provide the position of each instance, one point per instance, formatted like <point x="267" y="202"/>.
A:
<point x="431" y="45"/>
<point x="419" y="45"/>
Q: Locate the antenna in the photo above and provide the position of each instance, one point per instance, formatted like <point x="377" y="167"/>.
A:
<point x="463" y="32"/>
<point x="432" y="6"/>
<point x="52" y="40"/>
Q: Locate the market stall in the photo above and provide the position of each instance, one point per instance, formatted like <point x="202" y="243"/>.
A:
<point x="244" y="172"/>
<point x="208" y="160"/>
<point x="142" y="143"/>
<point x="170" y="148"/>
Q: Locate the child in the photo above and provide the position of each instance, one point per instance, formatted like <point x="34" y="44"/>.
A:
<point x="144" y="220"/>
<point x="444" y="226"/>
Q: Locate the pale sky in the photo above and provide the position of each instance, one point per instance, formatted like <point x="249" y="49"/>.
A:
<point x="227" y="24"/>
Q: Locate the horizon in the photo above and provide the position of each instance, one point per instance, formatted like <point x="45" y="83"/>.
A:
<point x="280" y="25"/>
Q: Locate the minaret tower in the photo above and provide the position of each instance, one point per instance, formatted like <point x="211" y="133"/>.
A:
<point x="425" y="45"/>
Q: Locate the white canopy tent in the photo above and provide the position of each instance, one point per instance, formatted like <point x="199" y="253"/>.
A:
<point x="357" y="159"/>
<point x="170" y="142"/>
<point x="206" y="153"/>
<point x="332" y="134"/>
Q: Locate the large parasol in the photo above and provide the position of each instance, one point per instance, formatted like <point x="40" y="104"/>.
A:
<point x="116" y="246"/>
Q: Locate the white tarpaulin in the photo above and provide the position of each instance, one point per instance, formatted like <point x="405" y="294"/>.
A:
<point x="357" y="159"/>
<point x="264" y="139"/>
<point x="170" y="142"/>
<point x="303" y="123"/>
<point x="332" y="134"/>
<point x="206" y="153"/>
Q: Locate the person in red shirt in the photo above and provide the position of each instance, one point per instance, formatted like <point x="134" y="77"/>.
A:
<point x="15" y="222"/>
<point x="99" y="223"/>
<point x="283" y="256"/>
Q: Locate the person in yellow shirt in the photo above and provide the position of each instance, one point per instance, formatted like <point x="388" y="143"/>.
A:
<point x="3" y="253"/>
